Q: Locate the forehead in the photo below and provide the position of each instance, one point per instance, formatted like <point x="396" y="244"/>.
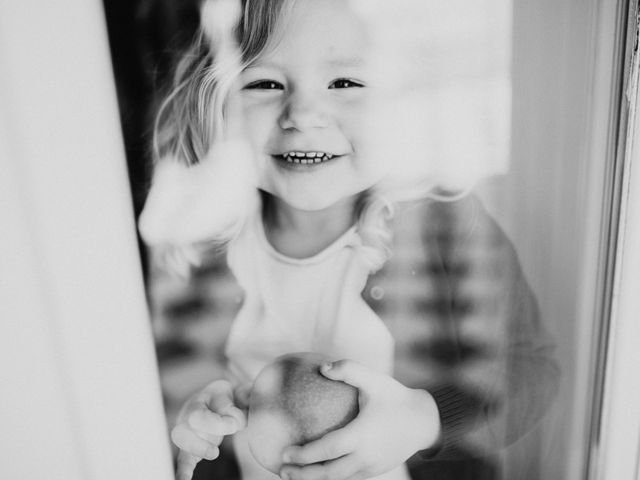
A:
<point x="321" y="31"/>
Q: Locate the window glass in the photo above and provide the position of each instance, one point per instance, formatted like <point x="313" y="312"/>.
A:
<point x="492" y="292"/>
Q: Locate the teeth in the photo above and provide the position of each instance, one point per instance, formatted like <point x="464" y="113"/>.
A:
<point x="306" y="158"/>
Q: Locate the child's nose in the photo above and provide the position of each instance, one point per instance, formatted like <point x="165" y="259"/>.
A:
<point x="303" y="112"/>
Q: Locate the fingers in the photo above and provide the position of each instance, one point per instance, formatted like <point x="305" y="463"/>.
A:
<point x="186" y="465"/>
<point x="346" y="467"/>
<point x="352" y="373"/>
<point x="193" y="443"/>
<point x="218" y="393"/>
<point x="236" y="415"/>
<point x="333" y="445"/>
<point x="211" y="423"/>
<point x="207" y="418"/>
<point x="242" y="395"/>
<point x="218" y="397"/>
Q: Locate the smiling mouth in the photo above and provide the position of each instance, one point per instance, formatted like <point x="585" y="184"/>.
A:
<point x="305" y="158"/>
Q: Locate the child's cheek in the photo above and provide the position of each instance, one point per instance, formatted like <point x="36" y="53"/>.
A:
<point x="258" y="123"/>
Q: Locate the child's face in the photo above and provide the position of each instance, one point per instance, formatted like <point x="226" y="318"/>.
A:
<point x="309" y="95"/>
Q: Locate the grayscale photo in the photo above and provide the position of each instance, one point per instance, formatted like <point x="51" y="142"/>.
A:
<point x="320" y="240"/>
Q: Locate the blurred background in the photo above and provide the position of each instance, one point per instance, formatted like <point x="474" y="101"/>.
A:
<point x="544" y="182"/>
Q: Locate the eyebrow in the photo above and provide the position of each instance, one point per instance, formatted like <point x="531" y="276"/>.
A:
<point x="330" y="62"/>
<point x="345" y="62"/>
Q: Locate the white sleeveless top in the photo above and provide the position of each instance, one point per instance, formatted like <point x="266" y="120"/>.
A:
<point x="300" y="305"/>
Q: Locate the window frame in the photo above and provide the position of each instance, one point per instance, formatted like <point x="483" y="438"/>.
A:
<point x="615" y="435"/>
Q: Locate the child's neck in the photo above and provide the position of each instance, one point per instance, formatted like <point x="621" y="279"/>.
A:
<point x="302" y="234"/>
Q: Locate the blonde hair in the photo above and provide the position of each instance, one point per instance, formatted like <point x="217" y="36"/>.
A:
<point x="192" y="118"/>
<point x="192" y="115"/>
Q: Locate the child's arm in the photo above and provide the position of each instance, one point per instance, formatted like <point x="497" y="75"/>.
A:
<point x="498" y="374"/>
<point x="394" y="422"/>
<point x="203" y="421"/>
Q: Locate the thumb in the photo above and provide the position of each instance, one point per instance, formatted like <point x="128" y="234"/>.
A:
<point x="238" y="417"/>
<point x="219" y="399"/>
<point x="353" y="373"/>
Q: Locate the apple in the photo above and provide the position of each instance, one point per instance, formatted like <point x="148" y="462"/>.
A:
<point x="292" y="403"/>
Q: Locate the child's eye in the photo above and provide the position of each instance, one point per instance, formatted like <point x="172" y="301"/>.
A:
<point x="264" y="85"/>
<point x="345" y="83"/>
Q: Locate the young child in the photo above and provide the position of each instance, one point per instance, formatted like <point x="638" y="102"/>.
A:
<point x="265" y="145"/>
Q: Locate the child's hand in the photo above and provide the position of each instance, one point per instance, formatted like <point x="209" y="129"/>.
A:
<point x="394" y="422"/>
<point x="204" y="420"/>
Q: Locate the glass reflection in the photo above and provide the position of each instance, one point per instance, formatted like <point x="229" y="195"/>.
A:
<point x="479" y="141"/>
